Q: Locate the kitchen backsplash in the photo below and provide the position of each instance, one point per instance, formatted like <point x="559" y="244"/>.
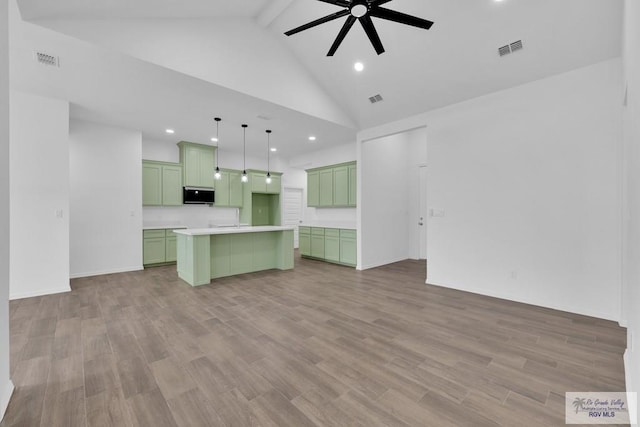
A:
<point x="200" y="216"/>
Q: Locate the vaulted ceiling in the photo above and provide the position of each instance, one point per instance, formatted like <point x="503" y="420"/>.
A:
<point x="236" y="53"/>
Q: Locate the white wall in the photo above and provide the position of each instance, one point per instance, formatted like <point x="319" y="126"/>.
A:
<point x="6" y="387"/>
<point x="416" y="157"/>
<point x="39" y="195"/>
<point x="106" y="192"/>
<point x="631" y="230"/>
<point x="528" y="180"/>
<point x="384" y="201"/>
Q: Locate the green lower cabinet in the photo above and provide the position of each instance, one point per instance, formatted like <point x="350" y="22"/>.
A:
<point x="170" y="250"/>
<point x="329" y="244"/>
<point x="158" y="247"/>
<point x="304" y="241"/>
<point x="154" y="250"/>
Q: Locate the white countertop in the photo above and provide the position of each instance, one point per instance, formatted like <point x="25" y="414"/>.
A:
<point x="330" y="224"/>
<point x="231" y="230"/>
<point x="163" y="227"/>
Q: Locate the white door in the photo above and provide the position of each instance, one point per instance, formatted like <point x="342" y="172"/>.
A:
<point x="422" y="219"/>
<point x="293" y="210"/>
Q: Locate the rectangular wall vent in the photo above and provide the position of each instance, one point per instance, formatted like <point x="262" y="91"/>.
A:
<point x="46" y="59"/>
<point x="510" y="48"/>
<point x="376" y="98"/>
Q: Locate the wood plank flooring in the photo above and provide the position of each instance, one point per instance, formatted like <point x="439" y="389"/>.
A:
<point x="321" y="345"/>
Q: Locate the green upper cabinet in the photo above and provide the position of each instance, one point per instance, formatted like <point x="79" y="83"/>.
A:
<point x="332" y="186"/>
<point x="198" y="162"/>
<point x="161" y="184"/>
<point x="313" y="188"/>
<point x="229" y="189"/>
<point x="341" y="186"/>
<point x="258" y="182"/>
<point x="353" y="184"/>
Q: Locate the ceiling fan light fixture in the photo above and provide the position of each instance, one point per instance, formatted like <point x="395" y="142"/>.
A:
<point x="359" y="9"/>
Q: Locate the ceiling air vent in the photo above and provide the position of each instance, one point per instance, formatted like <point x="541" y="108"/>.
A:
<point x="46" y="59"/>
<point x="510" y="48"/>
<point x="376" y="98"/>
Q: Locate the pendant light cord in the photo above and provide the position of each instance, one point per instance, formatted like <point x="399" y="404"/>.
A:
<point x="268" y="151"/>
<point x="217" y="119"/>
<point x="244" y="156"/>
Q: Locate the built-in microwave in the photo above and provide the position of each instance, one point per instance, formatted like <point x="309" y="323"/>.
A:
<point x="198" y="195"/>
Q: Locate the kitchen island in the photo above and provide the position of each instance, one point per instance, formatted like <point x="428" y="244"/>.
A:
<point x="211" y="253"/>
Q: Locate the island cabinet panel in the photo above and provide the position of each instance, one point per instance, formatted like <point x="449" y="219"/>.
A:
<point x="313" y="189"/>
<point x="198" y="162"/>
<point x="231" y="254"/>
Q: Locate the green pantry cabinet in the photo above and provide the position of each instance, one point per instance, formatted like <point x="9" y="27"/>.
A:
<point x="159" y="246"/>
<point x="161" y="184"/>
<point x="332" y="186"/>
<point x="261" y="201"/>
<point x="329" y="244"/>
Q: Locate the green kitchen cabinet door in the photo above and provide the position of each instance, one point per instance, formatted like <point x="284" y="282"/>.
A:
<point x="326" y="187"/>
<point x="317" y="246"/>
<point x="313" y="189"/>
<point x="348" y="247"/>
<point x="222" y="191"/>
<point x="154" y="251"/>
<point x="171" y="185"/>
<point x="171" y="252"/>
<point x="274" y="187"/>
<point x="304" y="244"/>
<point x="332" y="249"/>
<point x="258" y="182"/>
<point x="353" y="185"/>
<point x="235" y="189"/>
<point x="341" y="186"/>
<point x="191" y="164"/>
<point x="151" y="184"/>
<point x="206" y="168"/>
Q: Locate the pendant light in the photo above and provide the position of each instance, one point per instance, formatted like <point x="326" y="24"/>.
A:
<point x="268" y="180"/>
<point x="217" y="175"/>
<point x="245" y="178"/>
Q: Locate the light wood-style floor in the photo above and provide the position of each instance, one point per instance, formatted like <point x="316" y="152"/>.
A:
<point x="321" y="345"/>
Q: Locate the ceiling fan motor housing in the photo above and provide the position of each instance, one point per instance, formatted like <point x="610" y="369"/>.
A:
<point x="359" y="9"/>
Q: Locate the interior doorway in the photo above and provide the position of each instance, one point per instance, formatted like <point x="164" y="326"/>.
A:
<point x="292" y="206"/>
<point x="422" y="219"/>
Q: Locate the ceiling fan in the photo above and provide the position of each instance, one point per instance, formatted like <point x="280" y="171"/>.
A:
<point x="362" y="10"/>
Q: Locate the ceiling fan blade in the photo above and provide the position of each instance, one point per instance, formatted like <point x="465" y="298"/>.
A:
<point x="379" y="2"/>
<point x="342" y="34"/>
<point x="367" y="24"/>
<point x="318" y="22"/>
<point x="341" y="3"/>
<point x="402" y="18"/>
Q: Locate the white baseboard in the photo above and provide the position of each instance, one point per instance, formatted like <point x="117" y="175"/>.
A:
<point x="39" y="293"/>
<point x="5" y="397"/>
<point x="110" y="271"/>
<point x="537" y="302"/>
<point x="381" y="263"/>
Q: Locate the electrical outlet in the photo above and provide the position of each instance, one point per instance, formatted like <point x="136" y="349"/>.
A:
<point x="59" y="213"/>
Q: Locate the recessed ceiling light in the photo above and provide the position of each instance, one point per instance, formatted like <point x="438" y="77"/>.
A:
<point x="312" y="138"/>
<point x="214" y="139"/>
<point x="170" y="131"/>
<point x="358" y="66"/>
<point x="274" y="149"/>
